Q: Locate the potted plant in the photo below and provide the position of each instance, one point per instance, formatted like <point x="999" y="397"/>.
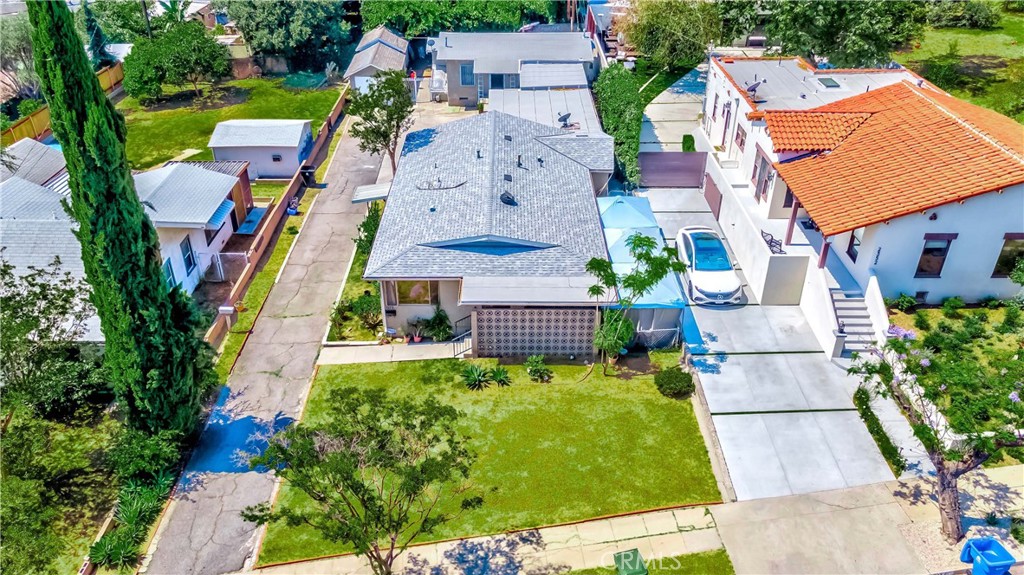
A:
<point x="416" y="330"/>
<point x="438" y="327"/>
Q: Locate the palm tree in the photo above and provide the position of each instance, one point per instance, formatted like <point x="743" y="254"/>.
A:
<point x="175" y="9"/>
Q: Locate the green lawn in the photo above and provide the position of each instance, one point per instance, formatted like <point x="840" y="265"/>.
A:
<point x="576" y="448"/>
<point x="267" y="189"/>
<point x="989" y="59"/>
<point x="161" y="132"/>
<point x="707" y="563"/>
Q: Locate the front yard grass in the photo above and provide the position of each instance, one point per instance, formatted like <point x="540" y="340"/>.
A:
<point x="576" y="448"/>
<point x="707" y="563"/>
<point x="162" y="132"/>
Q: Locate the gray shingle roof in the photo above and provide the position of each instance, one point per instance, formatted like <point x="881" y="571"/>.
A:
<point x="444" y="217"/>
<point x="383" y="34"/>
<point x="502" y="52"/>
<point x="258" y="133"/>
<point x="23" y="200"/>
<point x="35" y="243"/>
<point x="378" y="57"/>
<point x="33" y="161"/>
<point x="181" y="195"/>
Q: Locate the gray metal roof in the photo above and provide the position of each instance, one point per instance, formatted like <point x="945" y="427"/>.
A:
<point x="231" y="168"/>
<point x="23" y="200"/>
<point x="787" y="84"/>
<point x="258" y="133"/>
<point x="444" y="217"/>
<point x="532" y="290"/>
<point x="181" y="195"/>
<point x="383" y="34"/>
<point x="545" y="106"/>
<point x="502" y="52"/>
<point x="376" y="57"/>
<point x="552" y="75"/>
<point x="33" y="161"/>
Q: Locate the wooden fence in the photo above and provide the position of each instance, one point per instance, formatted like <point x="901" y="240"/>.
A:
<point x="271" y="221"/>
<point x="37" y="124"/>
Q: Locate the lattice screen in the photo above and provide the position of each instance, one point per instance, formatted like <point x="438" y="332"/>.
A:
<point x="519" y="332"/>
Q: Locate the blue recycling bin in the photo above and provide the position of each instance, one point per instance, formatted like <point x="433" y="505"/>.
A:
<point x="986" y="556"/>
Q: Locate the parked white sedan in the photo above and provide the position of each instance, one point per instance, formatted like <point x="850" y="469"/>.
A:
<point x="709" y="277"/>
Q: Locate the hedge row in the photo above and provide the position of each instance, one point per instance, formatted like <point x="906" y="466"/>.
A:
<point x="622" y="111"/>
<point x="891" y="453"/>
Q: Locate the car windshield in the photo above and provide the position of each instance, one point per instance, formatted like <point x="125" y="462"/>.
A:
<point x="710" y="253"/>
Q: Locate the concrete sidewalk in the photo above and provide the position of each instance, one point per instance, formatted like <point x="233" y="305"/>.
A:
<point x="202" y="531"/>
<point x="584" y="545"/>
<point x="338" y="355"/>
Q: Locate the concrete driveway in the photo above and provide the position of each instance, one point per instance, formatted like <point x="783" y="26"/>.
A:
<point x="672" y="114"/>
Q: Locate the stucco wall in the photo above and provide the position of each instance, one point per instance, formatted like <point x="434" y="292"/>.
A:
<point x="261" y="162"/>
<point x="170" y="248"/>
<point x="448" y="298"/>
<point x="459" y="95"/>
<point x="892" y="250"/>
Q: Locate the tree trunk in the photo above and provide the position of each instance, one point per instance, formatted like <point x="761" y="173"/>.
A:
<point x="394" y="165"/>
<point x="949" y="505"/>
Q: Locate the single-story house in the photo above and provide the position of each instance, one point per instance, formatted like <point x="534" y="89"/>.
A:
<point x="493" y="218"/>
<point x="241" y="193"/>
<point x="273" y="148"/>
<point x="380" y="49"/>
<point x="872" y="182"/>
<point x="190" y="207"/>
<point x="467" y="66"/>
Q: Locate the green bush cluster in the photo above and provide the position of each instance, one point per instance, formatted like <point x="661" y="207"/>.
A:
<point x="962" y="14"/>
<point x="537" y="370"/>
<point x="891" y="453"/>
<point x="138" y="505"/>
<point x="29" y="105"/>
<point x="675" y="383"/>
<point x="478" y="378"/>
<point x="438" y="327"/>
<point x="951" y="307"/>
<point x="1012" y="321"/>
<point x="921" y="321"/>
<point x="622" y="110"/>
<point x="903" y="303"/>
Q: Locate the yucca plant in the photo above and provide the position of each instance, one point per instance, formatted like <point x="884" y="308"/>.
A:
<point x="475" y="377"/>
<point x="500" y="377"/>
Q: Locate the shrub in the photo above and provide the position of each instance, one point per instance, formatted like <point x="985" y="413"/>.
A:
<point x="5" y="121"/>
<point x="340" y="314"/>
<point x="675" y="383"/>
<point x="951" y="307"/>
<point x="536" y="369"/>
<point x="29" y="105"/>
<point x="891" y="453"/>
<point x="973" y="328"/>
<point x="1017" y="529"/>
<point x="367" y="308"/>
<point x="119" y="548"/>
<point x="903" y="303"/>
<point x="136" y="454"/>
<point x="500" y="377"/>
<point x="438" y="327"/>
<point x="368" y="229"/>
<point x="1014" y="6"/>
<point x="475" y="377"/>
<point x="621" y="111"/>
<point x="991" y="302"/>
<point x="962" y="14"/>
<point x="689" y="144"/>
<point x="921" y="321"/>
<point x="1012" y="321"/>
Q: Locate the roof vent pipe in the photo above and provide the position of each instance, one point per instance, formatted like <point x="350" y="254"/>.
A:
<point x="519" y="161"/>
<point x="540" y="161"/>
<point x="508" y="138"/>
<point x="479" y="155"/>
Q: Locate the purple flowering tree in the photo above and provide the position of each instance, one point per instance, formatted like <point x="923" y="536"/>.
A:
<point x="962" y="400"/>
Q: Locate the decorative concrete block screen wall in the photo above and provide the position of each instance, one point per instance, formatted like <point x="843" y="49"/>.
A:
<point x="547" y="331"/>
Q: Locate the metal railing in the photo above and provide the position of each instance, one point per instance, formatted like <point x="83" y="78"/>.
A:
<point x="462" y="332"/>
<point x="462" y="326"/>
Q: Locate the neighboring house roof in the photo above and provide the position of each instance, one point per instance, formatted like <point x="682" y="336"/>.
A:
<point x="794" y="84"/>
<point x="810" y="131"/>
<point x="21" y="199"/>
<point x="502" y="52"/>
<point x="183" y="196"/>
<point x="258" y="133"/>
<point x="545" y="107"/>
<point x="377" y="57"/>
<point x="231" y="168"/>
<point x="33" y="161"/>
<point x="445" y="217"/>
<point x="596" y="152"/>
<point x="552" y="75"/>
<point x="383" y="35"/>
<point x="918" y="149"/>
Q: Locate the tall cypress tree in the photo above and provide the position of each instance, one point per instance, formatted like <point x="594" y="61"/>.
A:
<point x="156" y="360"/>
<point x="99" y="53"/>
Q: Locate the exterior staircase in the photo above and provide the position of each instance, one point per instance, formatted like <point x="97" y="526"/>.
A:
<point x="852" y="318"/>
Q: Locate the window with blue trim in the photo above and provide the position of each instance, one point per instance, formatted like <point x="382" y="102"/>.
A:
<point x="466" y="74"/>
<point x="187" y="255"/>
<point x="169" y="275"/>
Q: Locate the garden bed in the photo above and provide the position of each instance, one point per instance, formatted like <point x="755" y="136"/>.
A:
<point x="351" y="329"/>
<point x="582" y="446"/>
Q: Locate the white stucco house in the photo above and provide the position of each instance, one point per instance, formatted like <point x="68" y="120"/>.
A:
<point x="379" y="50"/>
<point x="274" y="148"/>
<point x="837" y="188"/>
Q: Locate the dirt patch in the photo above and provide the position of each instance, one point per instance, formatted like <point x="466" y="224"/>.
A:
<point x="212" y="98"/>
<point x="634" y="364"/>
<point x="981" y="66"/>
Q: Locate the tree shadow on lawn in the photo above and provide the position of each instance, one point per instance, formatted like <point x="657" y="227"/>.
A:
<point x="213" y="97"/>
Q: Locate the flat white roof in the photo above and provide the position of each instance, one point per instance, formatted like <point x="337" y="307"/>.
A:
<point x="552" y="75"/>
<point x="545" y="106"/>
<point x="529" y="290"/>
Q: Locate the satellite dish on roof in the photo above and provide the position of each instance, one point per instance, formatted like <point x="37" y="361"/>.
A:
<point x="753" y="87"/>
<point x="564" y="119"/>
<point x="507" y="199"/>
<point x="430" y="42"/>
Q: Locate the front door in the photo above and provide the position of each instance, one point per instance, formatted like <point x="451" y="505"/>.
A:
<point x="497" y="81"/>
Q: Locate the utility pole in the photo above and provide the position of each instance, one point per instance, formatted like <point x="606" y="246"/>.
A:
<point x="145" y="16"/>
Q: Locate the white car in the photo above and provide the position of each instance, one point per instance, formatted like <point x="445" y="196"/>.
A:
<point x="709" y="277"/>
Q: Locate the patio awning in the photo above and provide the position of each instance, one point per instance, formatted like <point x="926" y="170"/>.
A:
<point x="220" y="215"/>
<point x="626" y="212"/>
<point x="668" y="294"/>
<point x="553" y="291"/>
<point x="617" y="238"/>
<point x="371" y="193"/>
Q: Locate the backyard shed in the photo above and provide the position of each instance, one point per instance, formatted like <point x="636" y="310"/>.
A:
<point x="273" y="148"/>
<point x="379" y="50"/>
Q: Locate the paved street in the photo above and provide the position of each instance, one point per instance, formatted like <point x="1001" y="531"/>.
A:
<point x="202" y="533"/>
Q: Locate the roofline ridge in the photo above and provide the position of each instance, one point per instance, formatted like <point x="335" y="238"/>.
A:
<point x="970" y="127"/>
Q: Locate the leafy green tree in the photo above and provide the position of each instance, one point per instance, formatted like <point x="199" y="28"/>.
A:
<point x="157" y="362"/>
<point x="674" y="33"/>
<point x="651" y="266"/>
<point x="145" y="70"/>
<point x="418" y="17"/>
<point x="192" y="55"/>
<point x="28" y="542"/>
<point x="368" y="229"/>
<point x="42" y="315"/>
<point x="849" y="34"/>
<point x="616" y="92"/>
<point x="99" y="54"/>
<point x="738" y="18"/>
<point x="175" y="9"/>
<point x="16" y="64"/>
<point x="309" y="33"/>
<point x="380" y="472"/>
<point x="123" y="20"/>
<point x="385" y="113"/>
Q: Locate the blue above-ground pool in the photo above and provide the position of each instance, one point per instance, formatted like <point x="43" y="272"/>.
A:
<point x="53" y="143"/>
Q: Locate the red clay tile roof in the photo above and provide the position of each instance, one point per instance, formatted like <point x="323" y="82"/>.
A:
<point x="919" y="149"/>
<point x="798" y="131"/>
